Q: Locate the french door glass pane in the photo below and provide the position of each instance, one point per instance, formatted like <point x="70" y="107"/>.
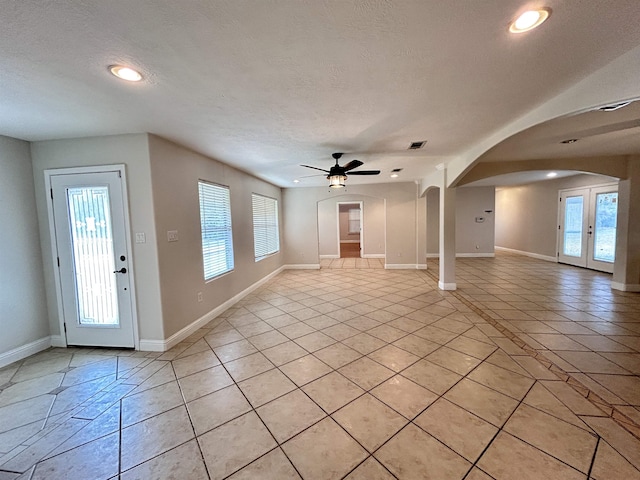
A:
<point x="573" y="226"/>
<point x="604" y="248"/>
<point x="93" y="258"/>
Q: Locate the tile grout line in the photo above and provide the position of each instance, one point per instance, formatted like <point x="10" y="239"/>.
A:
<point x="610" y="411"/>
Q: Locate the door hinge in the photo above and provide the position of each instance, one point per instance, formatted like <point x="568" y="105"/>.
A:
<point x="65" y="327"/>
<point x="559" y="227"/>
<point x="119" y="174"/>
<point x="51" y="190"/>
<point x="58" y="262"/>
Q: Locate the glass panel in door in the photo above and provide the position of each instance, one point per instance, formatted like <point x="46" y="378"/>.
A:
<point x="573" y="220"/>
<point x="93" y="255"/>
<point x="606" y="214"/>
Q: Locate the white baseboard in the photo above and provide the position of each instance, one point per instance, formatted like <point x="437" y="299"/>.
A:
<point x="421" y="266"/>
<point x="322" y="257"/>
<point x="625" y="287"/>
<point x="373" y="255"/>
<point x="164" y="345"/>
<point x="349" y="241"/>
<point x="465" y="255"/>
<point x="58" y="341"/>
<point x="528" y="254"/>
<point x="24" y="351"/>
<point x="402" y="266"/>
<point x="303" y="266"/>
<point x="447" y="286"/>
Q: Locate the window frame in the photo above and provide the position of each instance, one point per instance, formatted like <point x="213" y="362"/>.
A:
<point x="220" y="193"/>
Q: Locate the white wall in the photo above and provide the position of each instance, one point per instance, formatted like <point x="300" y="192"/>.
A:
<point x="527" y="215"/>
<point x="310" y="220"/>
<point x="133" y="151"/>
<point x="345" y="236"/>
<point x="175" y="173"/>
<point x="472" y="238"/>
<point x="22" y="295"/>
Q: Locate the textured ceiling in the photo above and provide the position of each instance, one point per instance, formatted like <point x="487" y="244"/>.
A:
<point x="266" y="85"/>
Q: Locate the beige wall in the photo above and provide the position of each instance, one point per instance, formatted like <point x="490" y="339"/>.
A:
<point x="373" y="222"/>
<point x="311" y="222"/>
<point x="527" y="215"/>
<point x="345" y="236"/>
<point x="22" y="295"/>
<point x="175" y="172"/>
<point x="472" y="238"/>
<point x="133" y="151"/>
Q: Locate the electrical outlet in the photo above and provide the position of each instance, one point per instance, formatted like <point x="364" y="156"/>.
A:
<point x="199" y="296"/>
<point x="141" y="237"/>
<point x="172" y="236"/>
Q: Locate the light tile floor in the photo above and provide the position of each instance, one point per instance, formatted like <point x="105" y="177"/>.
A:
<point x="356" y="374"/>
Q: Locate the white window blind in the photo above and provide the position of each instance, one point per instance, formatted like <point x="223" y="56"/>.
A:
<point x="215" y="223"/>
<point x="266" y="237"/>
<point x="354" y="220"/>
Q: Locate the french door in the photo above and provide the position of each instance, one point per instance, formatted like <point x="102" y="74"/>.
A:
<point x="587" y="227"/>
<point x="88" y="211"/>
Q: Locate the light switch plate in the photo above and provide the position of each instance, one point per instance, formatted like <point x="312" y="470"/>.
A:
<point x="141" y="237"/>
<point x="172" y="236"/>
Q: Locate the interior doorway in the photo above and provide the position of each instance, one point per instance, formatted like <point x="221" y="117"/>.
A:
<point x="350" y="229"/>
<point x="587" y="227"/>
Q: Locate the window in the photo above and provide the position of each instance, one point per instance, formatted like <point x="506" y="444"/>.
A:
<point x="215" y="223"/>
<point x="266" y="237"/>
<point x="354" y="220"/>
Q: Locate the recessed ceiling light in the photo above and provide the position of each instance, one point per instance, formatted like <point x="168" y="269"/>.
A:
<point x="569" y="140"/>
<point x="394" y="175"/>
<point x="552" y="174"/>
<point x="125" y="73"/>
<point x="296" y="181"/>
<point x="529" y="20"/>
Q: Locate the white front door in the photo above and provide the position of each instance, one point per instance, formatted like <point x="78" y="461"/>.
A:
<point x="93" y="261"/>
<point x="587" y="229"/>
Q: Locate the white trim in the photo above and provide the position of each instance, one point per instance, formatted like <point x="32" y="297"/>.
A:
<point x="465" y="255"/>
<point x="164" y="345"/>
<point x="322" y="257"/>
<point x="374" y="255"/>
<point x="421" y="266"/>
<point x="303" y="266"/>
<point x="58" y="341"/>
<point x="401" y="266"/>
<point x="447" y="286"/>
<point x="626" y="287"/>
<point x="349" y="241"/>
<point x="24" y="351"/>
<point x="528" y="254"/>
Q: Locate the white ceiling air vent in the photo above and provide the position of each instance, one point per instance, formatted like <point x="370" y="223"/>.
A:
<point x="613" y="107"/>
<point x="417" y="145"/>
<point x="396" y="170"/>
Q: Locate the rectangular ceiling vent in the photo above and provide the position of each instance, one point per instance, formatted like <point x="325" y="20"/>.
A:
<point x="417" y="145"/>
<point x="396" y="170"/>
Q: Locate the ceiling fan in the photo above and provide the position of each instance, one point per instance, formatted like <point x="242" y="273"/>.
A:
<point x="338" y="174"/>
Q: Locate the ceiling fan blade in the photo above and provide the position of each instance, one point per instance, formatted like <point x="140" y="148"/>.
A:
<point x="365" y="172"/>
<point x="315" y="168"/>
<point x="317" y="175"/>
<point x="352" y="164"/>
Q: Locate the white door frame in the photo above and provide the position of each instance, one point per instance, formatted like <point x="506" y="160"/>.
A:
<point x="54" y="248"/>
<point x="359" y="203"/>
<point x="589" y="212"/>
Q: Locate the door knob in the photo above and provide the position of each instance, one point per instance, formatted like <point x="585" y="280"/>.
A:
<point x="122" y="270"/>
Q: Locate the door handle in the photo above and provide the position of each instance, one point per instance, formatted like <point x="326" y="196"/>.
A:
<point x="122" y="270"/>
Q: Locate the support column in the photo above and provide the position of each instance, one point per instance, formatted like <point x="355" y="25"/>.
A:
<point x="447" y="236"/>
<point x="626" y="270"/>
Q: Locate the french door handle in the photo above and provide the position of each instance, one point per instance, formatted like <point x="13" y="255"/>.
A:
<point x="122" y="270"/>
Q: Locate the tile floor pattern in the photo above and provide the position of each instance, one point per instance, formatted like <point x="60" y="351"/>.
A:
<point x="353" y="373"/>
